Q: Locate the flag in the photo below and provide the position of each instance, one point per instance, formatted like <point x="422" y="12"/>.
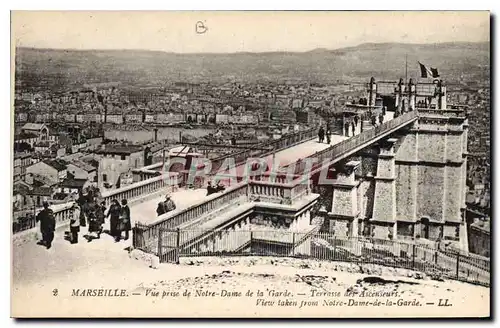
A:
<point x="434" y="72"/>
<point x="423" y="70"/>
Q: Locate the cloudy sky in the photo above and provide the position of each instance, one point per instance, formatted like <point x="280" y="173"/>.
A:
<point x="241" y="31"/>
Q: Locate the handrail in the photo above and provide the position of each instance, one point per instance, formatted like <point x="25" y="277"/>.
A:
<point x="206" y="205"/>
<point x="298" y="136"/>
<point x="62" y="212"/>
<point x="347" y="145"/>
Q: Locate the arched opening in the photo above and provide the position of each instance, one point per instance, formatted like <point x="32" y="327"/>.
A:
<point x="424" y="223"/>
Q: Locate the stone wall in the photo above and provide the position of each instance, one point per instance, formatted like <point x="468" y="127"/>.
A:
<point x="406" y="191"/>
<point x="453" y="194"/>
<point x="454" y="147"/>
<point x="385" y="167"/>
<point x="343" y="202"/>
<point x="381" y="231"/>
<point x="339" y="227"/>
<point x="430" y="192"/>
<point x="366" y="198"/>
<point x="435" y="231"/>
<point x="383" y="208"/>
<point x="431" y="147"/>
<point x="407" y="148"/>
<point x="451" y="232"/>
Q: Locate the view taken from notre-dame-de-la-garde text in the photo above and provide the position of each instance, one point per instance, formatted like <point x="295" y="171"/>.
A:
<point x="251" y="164"/>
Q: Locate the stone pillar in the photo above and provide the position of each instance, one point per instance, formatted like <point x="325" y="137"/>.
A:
<point x="399" y="93"/>
<point x="442" y="95"/>
<point x="344" y="203"/>
<point x="412" y="95"/>
<point x="294" y="225"/>
<point x="384" y="208"/>
<point x="308" y="217"/>
<point x="372" y="92"/>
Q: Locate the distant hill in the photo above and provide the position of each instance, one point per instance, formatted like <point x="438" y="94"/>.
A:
<point x="71" y="68"/>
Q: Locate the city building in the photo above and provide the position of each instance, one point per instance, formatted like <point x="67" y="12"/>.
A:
<point x="117" y="159"/>
<point x="21" y="162"/>
<point x="53" y="170"/>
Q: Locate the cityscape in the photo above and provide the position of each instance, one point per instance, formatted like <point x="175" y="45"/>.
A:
<point x="128" y="152"/>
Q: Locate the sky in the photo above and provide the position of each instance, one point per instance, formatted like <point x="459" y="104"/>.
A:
<point x="227" y="32"/>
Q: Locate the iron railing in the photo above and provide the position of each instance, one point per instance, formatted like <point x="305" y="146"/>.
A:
<point x="173" y="244"/>
<point x="345" y="147"/>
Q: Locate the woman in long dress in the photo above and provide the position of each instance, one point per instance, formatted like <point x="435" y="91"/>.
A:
<point x="114" y="214"/>
<point x="125" y="224"/>
<point x="95" y="227"/>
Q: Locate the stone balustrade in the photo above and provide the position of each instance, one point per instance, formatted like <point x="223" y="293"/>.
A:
<point x="279" y="193"/>
<point x="209" y="204"/>
<point x="214" y="205"/>
<point x="141" y="188"/>
<point x="63" y="212"/>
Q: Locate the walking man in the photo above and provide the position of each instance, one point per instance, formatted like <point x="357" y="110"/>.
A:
<point x="346" y="129"/>
<point x="74" y="224"/>
<point x="321" y="134"/>
<point x="47" y="225"/>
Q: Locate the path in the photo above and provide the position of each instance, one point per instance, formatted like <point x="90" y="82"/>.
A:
<point x="32" y="262"/>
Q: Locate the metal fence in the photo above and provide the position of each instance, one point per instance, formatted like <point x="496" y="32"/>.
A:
<point x="170" y="245"/>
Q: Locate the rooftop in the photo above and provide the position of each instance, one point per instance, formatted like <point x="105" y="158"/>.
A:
<point x="84" y="166"/>
<point x="24" y="135"/>
<point x="120" y="149"/>
<point x="33" y="126"/>
<point x="73" y="183"/>
<point x="483" y="225"/>
<point x="58" y="164"/>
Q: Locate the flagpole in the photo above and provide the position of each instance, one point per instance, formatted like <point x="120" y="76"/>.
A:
<point x="406" y="69"/>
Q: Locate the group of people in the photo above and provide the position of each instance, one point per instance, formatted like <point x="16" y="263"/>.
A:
<point x="322" y="135"/>
<point x="94" y="216"/>
<point x="166" y="206"/>
<point x="214" y="189"/>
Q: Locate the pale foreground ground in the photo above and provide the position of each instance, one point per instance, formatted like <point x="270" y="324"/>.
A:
<point x="114" y="267"/>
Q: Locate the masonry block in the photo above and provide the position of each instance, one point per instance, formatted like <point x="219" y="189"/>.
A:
<point x="381" y="231"/>
<point x="384" y="208"/>
<point x="406" y="192"/>
<point x="431" y="147"/>
<point x="430" y="192"/>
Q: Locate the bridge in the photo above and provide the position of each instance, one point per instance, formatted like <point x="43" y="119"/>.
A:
<point x="386" y="189"/>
